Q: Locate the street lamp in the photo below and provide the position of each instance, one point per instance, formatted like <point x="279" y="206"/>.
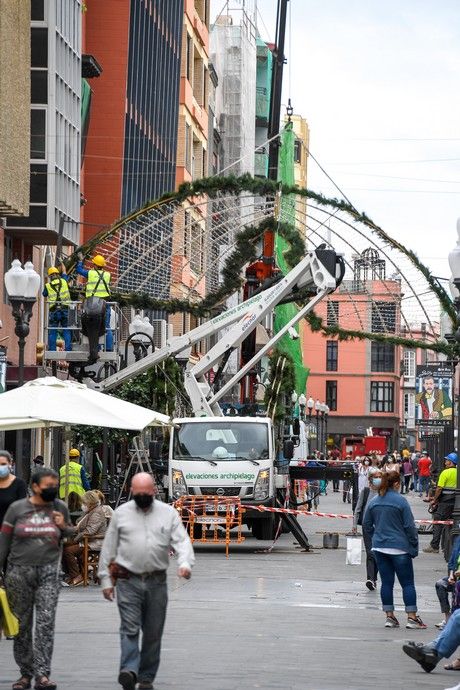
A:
<point x="141" y="338"/>
<point x="310" y="405"/>
<point x="302" y="400"/>
<point x="317" y="410"/>
<point x="326" y="416"/>
<point x="22" y="286"/>
<point x="454" y="263"/>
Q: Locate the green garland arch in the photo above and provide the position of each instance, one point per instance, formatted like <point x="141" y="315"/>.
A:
<point x="245" y="252"/>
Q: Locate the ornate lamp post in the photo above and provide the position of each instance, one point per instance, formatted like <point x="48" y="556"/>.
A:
<point x="454" y="263"/>
<point x="317" y="410"/>
<point x="302" y="400"/>
<point x="22" y="286"/>
<point x="326" y="416"/>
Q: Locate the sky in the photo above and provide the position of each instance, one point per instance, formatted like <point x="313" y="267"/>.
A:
<point x="378" y="83"/>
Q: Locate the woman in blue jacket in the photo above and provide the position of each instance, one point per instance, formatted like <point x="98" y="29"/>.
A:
<point x="389" y="522"/>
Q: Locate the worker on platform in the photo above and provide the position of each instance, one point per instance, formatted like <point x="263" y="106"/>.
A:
<point x="57" y="294"/>
<point x="98" y="285"/>
<point x="77" y="481"/>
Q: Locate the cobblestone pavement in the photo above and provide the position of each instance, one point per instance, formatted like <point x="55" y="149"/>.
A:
<point x="285" y="619"/>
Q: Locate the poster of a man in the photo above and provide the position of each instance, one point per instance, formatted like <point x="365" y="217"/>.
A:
<point x="433" y="401"/>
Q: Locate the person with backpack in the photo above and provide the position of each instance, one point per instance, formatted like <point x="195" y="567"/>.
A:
<point x="375" y="479"/>
<point x="58" y="298"/>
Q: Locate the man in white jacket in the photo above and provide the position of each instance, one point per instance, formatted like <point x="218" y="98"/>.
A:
<point x="135" y="557"/>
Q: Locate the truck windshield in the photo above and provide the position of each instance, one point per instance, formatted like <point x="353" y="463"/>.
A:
<point x="226" y="441"/>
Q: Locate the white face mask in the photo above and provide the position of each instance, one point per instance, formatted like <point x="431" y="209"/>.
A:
<point x="84" y="509"/>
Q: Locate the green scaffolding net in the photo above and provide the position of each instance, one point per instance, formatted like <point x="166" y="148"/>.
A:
<point x="285" y="312"/>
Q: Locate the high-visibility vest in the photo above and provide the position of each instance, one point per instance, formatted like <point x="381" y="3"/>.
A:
<point x="97" y="284"/>
<point x="58" y="292"/>
<point x="75" y="483"/>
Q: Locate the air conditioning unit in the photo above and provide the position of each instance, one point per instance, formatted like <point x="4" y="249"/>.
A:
<point x="160" y="332"/>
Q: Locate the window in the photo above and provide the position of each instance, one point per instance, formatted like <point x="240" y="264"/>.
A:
<point x="38" y="184"/>
<point x="382" y="396"/>
<point x="188" y="148"/>
<point x="382" y="357"/>
<point x="409" y="406"/>
<point x="332" y="313"/>
<point x="39" y="47"/>
<point x="331" y="395"/>
<point x="189" y="58"/>
<point x="332" y="349"/>
<point x="409" y="363"/>
<point x="38" y="134"/>
<point x="39" y="86"/>
<point x="383" y="318"/>
<point x="37" y="10"/>
<point x="297" y="151"/>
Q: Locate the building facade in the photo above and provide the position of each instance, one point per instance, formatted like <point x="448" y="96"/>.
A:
<point x="359" y="380"/>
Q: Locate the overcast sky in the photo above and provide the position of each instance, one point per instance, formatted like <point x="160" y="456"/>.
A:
<point x="379" y="83"/>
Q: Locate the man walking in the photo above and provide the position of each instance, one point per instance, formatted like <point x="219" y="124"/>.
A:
<point x="135" y="557"/>
<point x="73" y="477"/>
<point x="443" y="500"/>
<point x="424" y="472"/>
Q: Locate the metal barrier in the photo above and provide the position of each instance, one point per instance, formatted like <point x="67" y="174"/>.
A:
<point x="205" y="516"/>
<point x="80" y="349"/>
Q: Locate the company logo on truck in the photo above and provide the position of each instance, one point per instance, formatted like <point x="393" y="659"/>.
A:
<point x="244" y="476"/>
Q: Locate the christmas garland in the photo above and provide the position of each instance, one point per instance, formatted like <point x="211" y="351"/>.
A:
<point x="282" y="384"/>
<point x="245" y="252"/>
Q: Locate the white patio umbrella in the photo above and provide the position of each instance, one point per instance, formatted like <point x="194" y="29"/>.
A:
<point x="49" y="400"/>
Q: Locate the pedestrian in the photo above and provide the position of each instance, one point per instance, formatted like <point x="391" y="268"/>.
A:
<point x="98" y="285"/>
<point x="369" y="491"/>
<point x="424" y="473"/>
<point x="446" y="585"/>
<point x="442" y="503"/>
<point x="58" y="298"/>
<point x="31" y="538"/>
<point x="408" y="473"/>
<point x="92" y="524"/>
<point x="392" y="464"/>
<point x="390" y="524"/>
<point x="38" y="461"/>
<point x="363" y="472"/>
<point x="11" y="488"/>
<point x="134" y="559"/>
<point x="414" y="460"/>
<point x="335" y="458"/>
<point x="429" y="655"/>
<point x="72" y="476"/>
<point x="374" y="467"/>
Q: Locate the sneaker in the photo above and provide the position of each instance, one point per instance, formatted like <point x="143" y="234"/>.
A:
<point x="370" y="585"/>
<point x="127" y="679"/>
<point x="415" y="624"/>
<point x="391" y="622"/>
<point x="426" y="656"/>
<point x="430" y="549"/>
<point x="441" y="625"/>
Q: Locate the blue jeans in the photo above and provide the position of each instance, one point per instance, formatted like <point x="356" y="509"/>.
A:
<point x="402" y="566"/>
<point x="448" y="639"/>
<point x="142" y="605"/>
<point x="424" y="485"/>
<point x="108" y="332"/>
<point x="59" y="318"/>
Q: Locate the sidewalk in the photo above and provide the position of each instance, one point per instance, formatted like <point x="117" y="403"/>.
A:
<point x="286" y="620"/>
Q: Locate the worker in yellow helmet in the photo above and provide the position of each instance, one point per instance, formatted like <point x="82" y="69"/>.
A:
<point x="98" y="285"/>
<point x="77" y="481"/>
<point x="57" y="295"/>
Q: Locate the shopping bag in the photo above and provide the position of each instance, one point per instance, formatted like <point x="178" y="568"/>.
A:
<point x="8" y="622"/>
<point x="354" y="548"/>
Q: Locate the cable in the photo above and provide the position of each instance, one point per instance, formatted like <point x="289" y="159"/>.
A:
<point x="250" y="153"/>
<point x="330" y="178"/>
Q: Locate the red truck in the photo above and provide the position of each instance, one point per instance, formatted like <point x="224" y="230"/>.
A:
<point x="363" y="445"/>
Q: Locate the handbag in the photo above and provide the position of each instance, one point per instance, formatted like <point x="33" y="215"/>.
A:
<point x="354" y="549"/>
<point x="9" y="622"/>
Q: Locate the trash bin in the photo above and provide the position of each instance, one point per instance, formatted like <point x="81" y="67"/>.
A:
<point x="331" y="540"/>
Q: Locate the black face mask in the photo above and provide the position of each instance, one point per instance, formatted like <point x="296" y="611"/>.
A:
<point x="49" y="493"/>
<point x="143" y="500"/>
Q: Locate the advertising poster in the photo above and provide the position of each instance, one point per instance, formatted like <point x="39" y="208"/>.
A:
<point x="433" y="399"/>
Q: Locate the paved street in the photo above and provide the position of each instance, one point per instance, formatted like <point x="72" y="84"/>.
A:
<point x="285" y="620"/>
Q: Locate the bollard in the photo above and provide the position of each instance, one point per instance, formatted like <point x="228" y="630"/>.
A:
<point x="331" y="540"/>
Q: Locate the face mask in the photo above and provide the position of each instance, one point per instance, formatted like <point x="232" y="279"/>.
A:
<point x="84" y="509"/>
<point x="49" y="493"/>
<point x="377" y="481"/>
<point x="143" y="500"/>
<point x="366" y="464"/>
<point x="4" y="471"/>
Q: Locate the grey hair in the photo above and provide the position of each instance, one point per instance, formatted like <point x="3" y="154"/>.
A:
<point x="6" y="454"/>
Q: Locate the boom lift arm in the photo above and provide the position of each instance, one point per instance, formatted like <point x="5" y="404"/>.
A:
<point x="320" y="272"/>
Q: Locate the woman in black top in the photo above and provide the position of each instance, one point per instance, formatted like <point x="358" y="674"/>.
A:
<point x="11" y="488"/>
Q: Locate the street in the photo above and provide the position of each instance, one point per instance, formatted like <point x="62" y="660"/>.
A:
<point x="285" y="619"/>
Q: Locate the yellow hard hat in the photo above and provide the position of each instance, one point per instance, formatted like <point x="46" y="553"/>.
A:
<point x="98" y="260"/>
<point x="74" y="453"/>
<point x="52" y="269"/>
